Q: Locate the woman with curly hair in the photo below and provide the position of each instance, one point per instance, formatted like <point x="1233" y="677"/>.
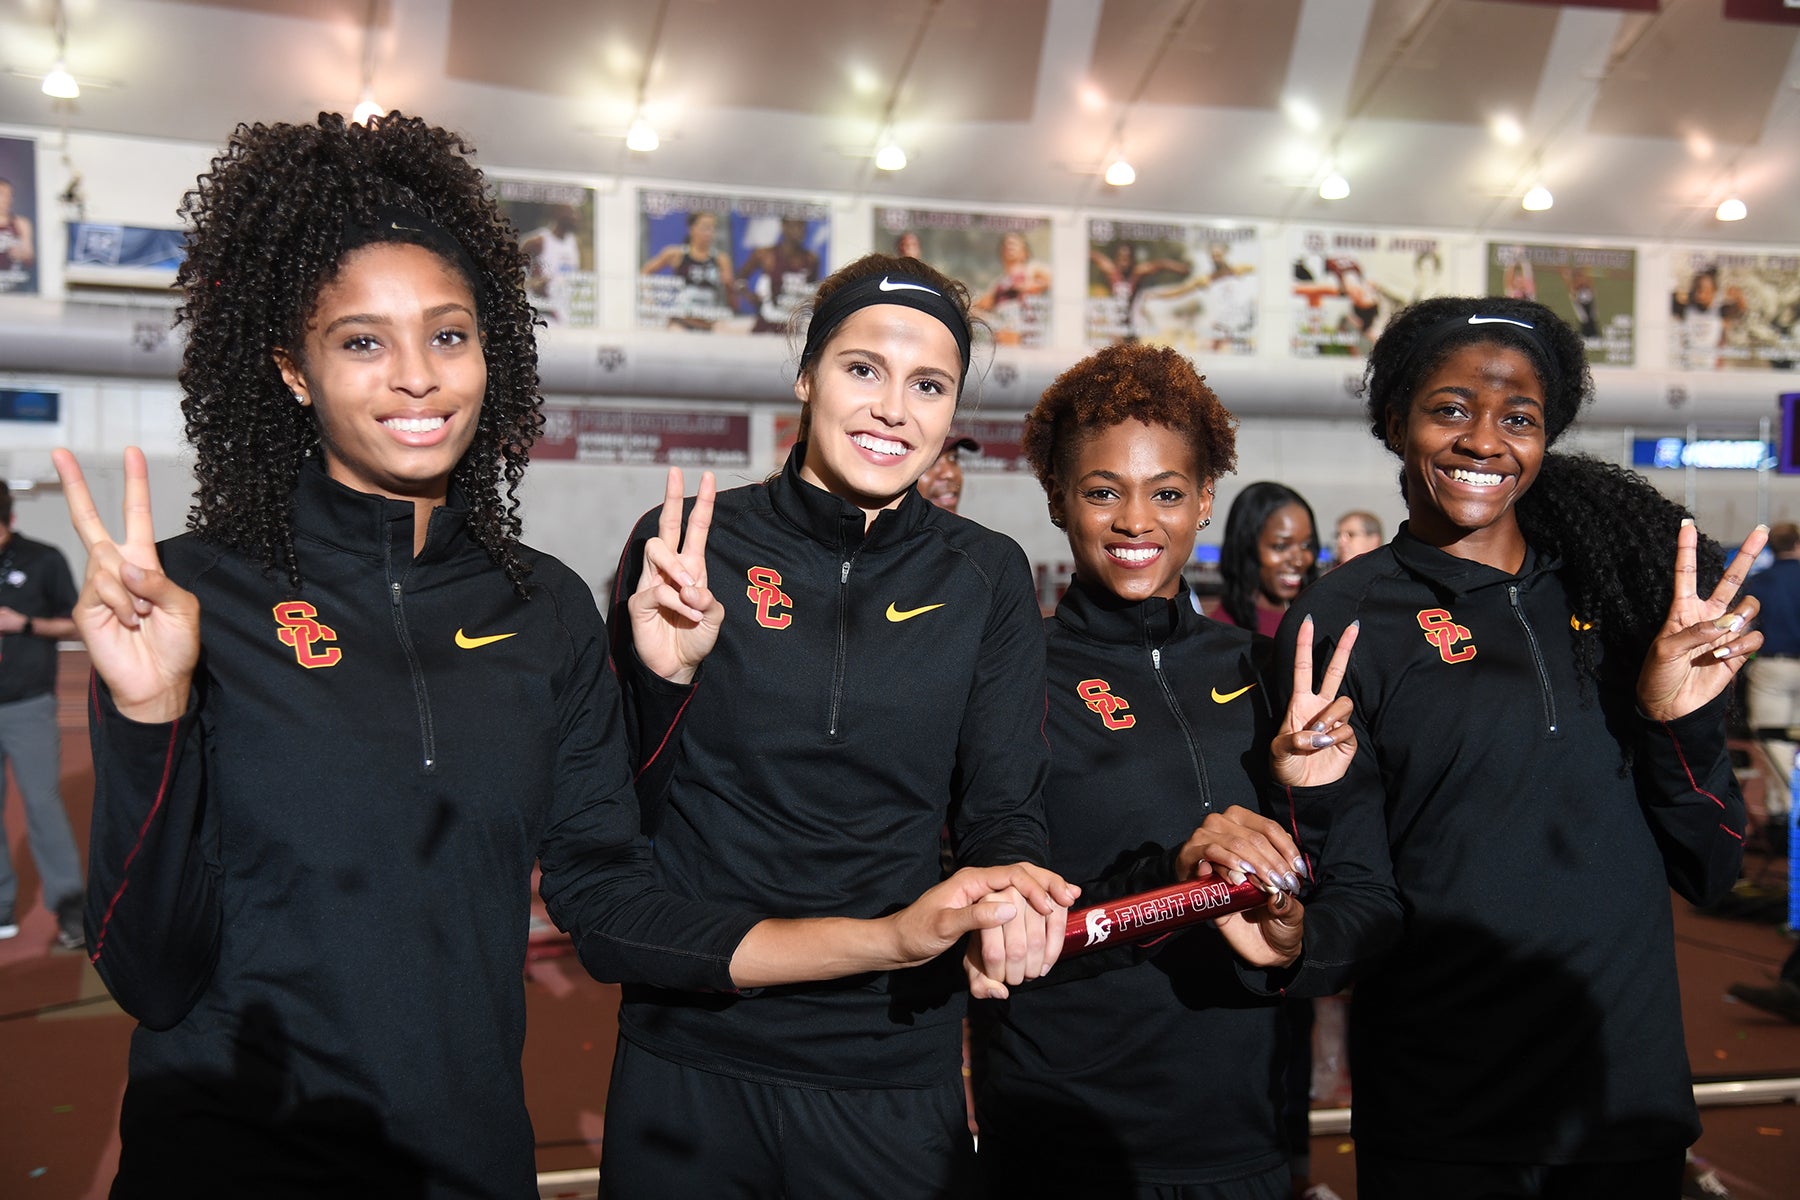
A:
<point x="1270" y="553"/>
<point x="1091" y="1082"/>
<point x="1547" y="653"/>
<point x="851" y="669"/>
<point x="337" y="722"/>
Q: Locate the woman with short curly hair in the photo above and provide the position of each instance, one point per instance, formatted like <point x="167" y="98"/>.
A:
<point x="1159" y="725"/>
<point x="1547" y="650"/>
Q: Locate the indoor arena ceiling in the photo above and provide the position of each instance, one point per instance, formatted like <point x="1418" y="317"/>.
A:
<point x="1639" y="116"/>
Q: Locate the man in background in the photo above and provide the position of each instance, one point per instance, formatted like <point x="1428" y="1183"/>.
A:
<point x="36" y="597"/>
<point x="942" y="482"/>
<point x="1357" y="533"/>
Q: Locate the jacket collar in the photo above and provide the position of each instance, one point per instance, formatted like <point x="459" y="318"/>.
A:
<point x="1101" y="616"/>
<point x="837" y="523"/>
<point x="372" y="526"/>
<point x="1461" y="576"/>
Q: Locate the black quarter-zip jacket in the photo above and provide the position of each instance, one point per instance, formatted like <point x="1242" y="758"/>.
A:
<point x="313" y="890"/>
<point x="866" y="686"/>
<point x="1498" y="875"/>
<point x="1164" y="1068"/>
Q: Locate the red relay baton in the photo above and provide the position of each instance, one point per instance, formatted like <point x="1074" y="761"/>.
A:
<point x="1155" y="913"/>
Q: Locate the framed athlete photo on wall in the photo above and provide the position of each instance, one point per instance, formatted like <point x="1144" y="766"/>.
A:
<point x="728" y="264"/>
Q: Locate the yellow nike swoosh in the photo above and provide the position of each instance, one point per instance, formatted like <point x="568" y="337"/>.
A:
<point x="469" y="643"/>
<point x="895" y="614"/>
<point x="1227" y="697"/>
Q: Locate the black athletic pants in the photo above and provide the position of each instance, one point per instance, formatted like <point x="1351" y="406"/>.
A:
<point x="676" y="1131"/>
<point x="1386" y="1177"/>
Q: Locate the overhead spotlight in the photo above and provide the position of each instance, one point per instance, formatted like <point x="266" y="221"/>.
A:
<point x="1506" y="129"/>
<point x="1120" y="173"/>
<point x="1537" y="199"/>
<point x="60" y="84"/>
<point x="367" y="109"/>
<point x="890" y="158"/>
<point x="1731" y="209"/>
<point x="641" y="137"/>
<point x="1335" y="187"/>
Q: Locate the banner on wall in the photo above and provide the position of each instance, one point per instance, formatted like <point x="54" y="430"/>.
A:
<point x="18" y="215"/>
<point x="1003" y="259"/>
<point x="1349" y="282"/>
<point x="1593" y="288"/>
<point x="123" y="255"/>
<point x="674" y="437"/>
<point x="556" y="230"/>
<point x="728" y="264"/>
<point x="1734" y="311"/>
<point x="1193" y="287"/>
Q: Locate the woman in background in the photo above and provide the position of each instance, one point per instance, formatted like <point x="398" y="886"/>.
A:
<point x="1271" y="552"/>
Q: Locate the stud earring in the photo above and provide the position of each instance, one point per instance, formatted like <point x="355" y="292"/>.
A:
<point x="299" y="399"/>
<point x="1204" y="522"/>
<point x="1058" y="522"/>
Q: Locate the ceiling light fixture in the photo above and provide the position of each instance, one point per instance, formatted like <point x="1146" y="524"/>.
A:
<point x="890" y="157"/>
<point x="1334" y="187"/>
<point x="642" y="137"/>
<point x="367" y="109"/>
<point x="1731" y="209"/>
<point x="1120" y="173"/>
<point x="1506" y="129"/>
<point x="59" y="84"/>
<point x="1538" y="199"/>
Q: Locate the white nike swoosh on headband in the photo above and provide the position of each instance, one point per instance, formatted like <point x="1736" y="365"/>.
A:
<point x="888" y="285"/>
<point x="1501" y="321"/>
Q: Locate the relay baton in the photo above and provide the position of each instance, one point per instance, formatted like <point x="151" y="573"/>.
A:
<point x="1155" y="913"/>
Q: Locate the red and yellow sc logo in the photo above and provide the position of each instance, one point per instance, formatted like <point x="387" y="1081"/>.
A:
<point x="1443" y="632"/>
<point x="1097" y="693"/>
<point x="765" y="592"/>
<point x="300" y="628"/>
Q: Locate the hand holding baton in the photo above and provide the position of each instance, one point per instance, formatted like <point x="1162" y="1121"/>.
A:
<point x="1155" y="913"/>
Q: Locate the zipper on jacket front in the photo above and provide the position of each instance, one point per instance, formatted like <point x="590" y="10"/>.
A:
<point x="843" y="635"/>
<point x="426" y="738"/>
<point x="1537" y="658"/>
<point x="1187" y="731"/>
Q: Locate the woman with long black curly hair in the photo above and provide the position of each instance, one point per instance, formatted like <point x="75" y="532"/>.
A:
<point x="338" y="721"/>
<point x="1270" y="553"/>
<point x="1546" y="654"/>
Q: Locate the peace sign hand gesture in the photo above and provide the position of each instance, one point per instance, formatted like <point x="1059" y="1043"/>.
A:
<point x="675" y="619"/>
<point x="1702" y="644"/>
<point x="1317" y="741"/>
<point x="141" y="628"/>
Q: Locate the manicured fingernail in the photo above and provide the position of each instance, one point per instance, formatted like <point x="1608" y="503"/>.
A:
<point x="1236" y="877"/>
<point x="1293" y="882"/>
<point x="1356" y="624"/>
<point x="1686" y="521"/>
<point x="1317" y="727"/>
<point x="1300" y="864"/>
<point x="1321" y="740"/>
<point x="1247" y="868"/>
<point x="1722" y="652"/>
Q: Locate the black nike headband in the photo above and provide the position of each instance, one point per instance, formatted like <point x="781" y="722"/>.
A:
<point x="391" y="223"/>
<point x="1482" y="325"/>
<point x="836" y="308"/>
